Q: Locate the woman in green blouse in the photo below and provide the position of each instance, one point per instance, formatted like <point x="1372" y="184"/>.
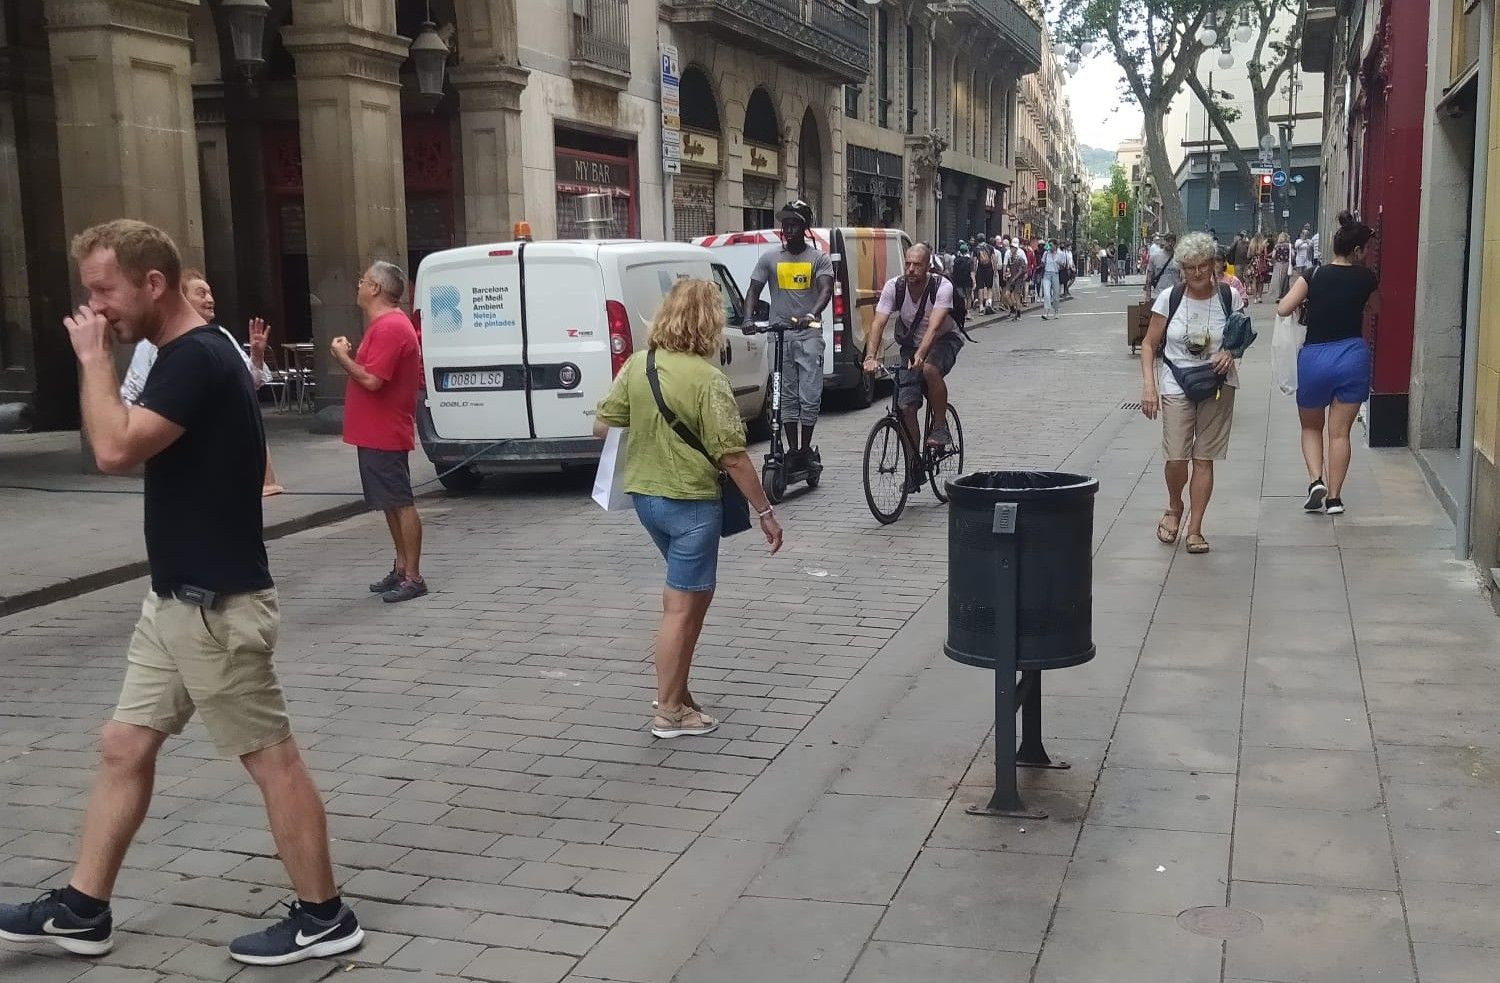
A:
<point x="675" y="487"/>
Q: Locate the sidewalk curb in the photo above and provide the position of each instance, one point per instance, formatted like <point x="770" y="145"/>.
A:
<point x="130" y="571"/>
<point x="704" y="883"/>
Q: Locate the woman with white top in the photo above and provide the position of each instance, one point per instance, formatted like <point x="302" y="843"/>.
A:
<point x="1187" y="331"/>
<point x="1052" y="267"/>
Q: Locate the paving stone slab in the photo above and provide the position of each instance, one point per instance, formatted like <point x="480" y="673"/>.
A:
<point x="1319" y="935"/>
<point x="975" y="899"/>
<point x="1090" y="946"/>
<point x="779" y="939"/>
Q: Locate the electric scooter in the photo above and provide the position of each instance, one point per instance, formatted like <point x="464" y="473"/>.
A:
<point x="777" y="473"/>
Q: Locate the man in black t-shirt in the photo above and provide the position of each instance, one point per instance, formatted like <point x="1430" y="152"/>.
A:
<point x="209" y="623"/>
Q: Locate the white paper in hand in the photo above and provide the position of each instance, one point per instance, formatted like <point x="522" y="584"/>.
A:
<point x="609" y="482"/>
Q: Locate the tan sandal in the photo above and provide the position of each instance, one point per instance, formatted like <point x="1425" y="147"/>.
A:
<point x="1197" y="545"/>
<point x="1168" y="534"/>
<point x="683" y="722"/>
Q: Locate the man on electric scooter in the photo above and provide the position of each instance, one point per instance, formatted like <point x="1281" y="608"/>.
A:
<point x="800" y="279"/>
<point x="930" y="341"/>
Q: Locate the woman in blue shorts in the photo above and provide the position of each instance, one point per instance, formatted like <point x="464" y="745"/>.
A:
<point x="1333" y="367"/>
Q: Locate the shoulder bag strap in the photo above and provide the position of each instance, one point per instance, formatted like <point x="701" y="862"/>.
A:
<point x="678" y="427"/>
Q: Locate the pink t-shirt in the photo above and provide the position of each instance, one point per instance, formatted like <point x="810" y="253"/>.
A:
<point x="909" y="335"/>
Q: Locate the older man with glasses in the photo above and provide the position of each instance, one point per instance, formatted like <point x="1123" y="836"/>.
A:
<point x="378" y="403"/>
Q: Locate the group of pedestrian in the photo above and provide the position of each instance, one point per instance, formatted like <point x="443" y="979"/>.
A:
<point x="1196" y="334"/>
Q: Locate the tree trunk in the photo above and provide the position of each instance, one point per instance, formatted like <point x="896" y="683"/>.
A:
<point x="1162" y="178"/>
<point x="1236" y="153"/>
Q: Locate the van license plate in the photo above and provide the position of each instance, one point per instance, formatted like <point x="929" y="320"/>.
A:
<point x="485" y="379"/>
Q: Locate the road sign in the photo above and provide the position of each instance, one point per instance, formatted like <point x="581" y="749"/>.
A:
<point x="1213" y="199"/>
<point x="671" y="166"/>
<point x="670" y="121"/>
<point x="1261" y="169"/>
<point x="1278" y="178"/>
<point x="671" y="109"/>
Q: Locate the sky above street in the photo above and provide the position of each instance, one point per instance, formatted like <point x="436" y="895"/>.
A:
<point x="1100" y="117"/>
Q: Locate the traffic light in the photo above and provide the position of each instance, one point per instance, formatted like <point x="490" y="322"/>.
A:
<point x="1041" y="192"/>
<point x="1119" y="209"/>
<point x="1264" y="194"/>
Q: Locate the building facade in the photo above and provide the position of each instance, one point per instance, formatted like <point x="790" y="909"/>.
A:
<point x="1411" y="146"/>
<point x="284" y="177"/>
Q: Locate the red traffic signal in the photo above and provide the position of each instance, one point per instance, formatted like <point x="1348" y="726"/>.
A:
<point x="1041" y="185"/>
<point x="1120" y="208"/>
<point x="1265" y="179"/>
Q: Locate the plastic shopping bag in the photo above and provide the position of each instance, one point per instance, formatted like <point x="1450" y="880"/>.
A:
<point x="609" y="482"/>
<point x="1286" y="341"/>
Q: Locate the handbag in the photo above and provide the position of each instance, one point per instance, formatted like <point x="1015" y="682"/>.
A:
<point x="1197" y="382"/>
<point x="1287" y="339"/>
<point x="609" y="480"/>
<point x="735" y="514"/>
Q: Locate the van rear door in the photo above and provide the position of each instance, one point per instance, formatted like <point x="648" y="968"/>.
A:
<point x="473" y="346"/>
<point x="567" y="337"/>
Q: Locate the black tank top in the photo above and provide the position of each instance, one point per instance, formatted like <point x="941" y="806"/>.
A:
<point x="1336" y="297"/>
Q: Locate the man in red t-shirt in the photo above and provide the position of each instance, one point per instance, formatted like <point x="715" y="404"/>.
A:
<point x="378" y="404"/>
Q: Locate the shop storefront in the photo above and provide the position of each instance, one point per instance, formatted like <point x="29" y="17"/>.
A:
<point x="971" y="206"/>
<point x="587" y="164"/>
<point x="762" y="173"/>
<point x="694" y="191"/>
<point x="874" y="183"/>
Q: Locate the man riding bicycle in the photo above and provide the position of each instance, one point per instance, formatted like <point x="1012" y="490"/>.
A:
<point x="800" y="279"/>
<point x="929" y="340"/>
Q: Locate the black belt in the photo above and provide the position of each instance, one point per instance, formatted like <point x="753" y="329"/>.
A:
<point x="198" y="597"/>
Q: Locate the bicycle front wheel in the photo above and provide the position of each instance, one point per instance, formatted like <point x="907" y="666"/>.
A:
<point x="887" y="464"/>
<point x="946" y="463"/>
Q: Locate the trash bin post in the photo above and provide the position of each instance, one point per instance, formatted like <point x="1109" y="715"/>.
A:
<point x="1006" y="800"/>
<point x="1032" y="753"/>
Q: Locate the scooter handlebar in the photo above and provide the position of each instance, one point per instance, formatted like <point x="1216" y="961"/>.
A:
<point x="784" y="325"/>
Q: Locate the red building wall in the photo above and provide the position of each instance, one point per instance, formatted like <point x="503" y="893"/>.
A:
<point x="1393" y="94"/>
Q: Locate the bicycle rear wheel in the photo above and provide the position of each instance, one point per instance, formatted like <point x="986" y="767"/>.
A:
<point x="946" y="463"/>
<point x="887" y="463"/>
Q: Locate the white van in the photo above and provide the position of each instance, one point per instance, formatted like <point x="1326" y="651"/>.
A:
<point x="521" y="340"/>
<point x="863" y="260"/>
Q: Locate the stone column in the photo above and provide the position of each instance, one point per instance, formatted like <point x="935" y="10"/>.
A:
<point x="489" y="117"/>
<point x="121" y="75"/>
<point x="218" y="218"/>
<point x="354" y="192"/>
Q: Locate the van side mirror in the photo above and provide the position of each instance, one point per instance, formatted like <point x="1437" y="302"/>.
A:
<point x="762" y="310"/>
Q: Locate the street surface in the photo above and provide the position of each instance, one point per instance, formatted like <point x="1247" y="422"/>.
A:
<point x="1296" y="732"/>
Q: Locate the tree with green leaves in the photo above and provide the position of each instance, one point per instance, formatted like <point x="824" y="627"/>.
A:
<point x="1156" y="45"/>
<point x="1272" y="57"/>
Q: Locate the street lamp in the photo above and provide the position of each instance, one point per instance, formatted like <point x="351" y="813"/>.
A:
<point x="429" y="56"/>
<point x="246" y="20"/>
<point x="1075" y="186"/>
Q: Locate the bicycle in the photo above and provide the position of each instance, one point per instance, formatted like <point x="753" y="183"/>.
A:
<point x="889" y="458"/>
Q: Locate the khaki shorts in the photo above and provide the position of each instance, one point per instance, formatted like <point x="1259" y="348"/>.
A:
<point x="1197" y="431"/>
<point x="215" y="661"/>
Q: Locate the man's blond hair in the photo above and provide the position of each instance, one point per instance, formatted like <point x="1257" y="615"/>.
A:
<point x="139" y="248"/>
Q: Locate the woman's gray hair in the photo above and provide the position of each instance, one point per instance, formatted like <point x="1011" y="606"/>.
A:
<point x="1195" y="249"/>
<point x="390" y="278"/>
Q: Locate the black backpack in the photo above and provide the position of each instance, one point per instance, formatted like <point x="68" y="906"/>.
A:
<point x="963" y="268"/>
<point x="958" y="312"/>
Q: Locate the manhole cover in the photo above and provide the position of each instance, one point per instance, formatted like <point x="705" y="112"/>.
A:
<point x="1220" y="923"/>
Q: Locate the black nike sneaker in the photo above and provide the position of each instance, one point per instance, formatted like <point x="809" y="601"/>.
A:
<point x="297" y="937"/>
<point x="47" y="919"/>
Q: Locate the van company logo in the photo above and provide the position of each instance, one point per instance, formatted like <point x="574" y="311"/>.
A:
<point x="443" y="315"/>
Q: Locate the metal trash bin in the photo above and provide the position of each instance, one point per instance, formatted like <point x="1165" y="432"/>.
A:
<point x="1020" y="598"/>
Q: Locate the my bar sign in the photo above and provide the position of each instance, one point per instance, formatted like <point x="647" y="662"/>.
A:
<point x="586" y="170"/>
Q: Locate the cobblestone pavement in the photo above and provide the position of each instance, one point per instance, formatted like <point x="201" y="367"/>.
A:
<point x="496" y="802"/>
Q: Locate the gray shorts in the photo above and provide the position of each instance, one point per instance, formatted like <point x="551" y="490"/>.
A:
<point x="944" y="355"/>
<point x="385" y="477"/>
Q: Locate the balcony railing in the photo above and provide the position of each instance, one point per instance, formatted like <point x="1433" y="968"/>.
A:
<point x="1014" y="25"/>
<point x="601" y="41"/>
<point x="827" y="38"/>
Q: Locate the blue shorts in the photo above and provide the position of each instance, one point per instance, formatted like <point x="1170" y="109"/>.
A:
<point x="687" y="533"/>
<point x="1333" y="370"/>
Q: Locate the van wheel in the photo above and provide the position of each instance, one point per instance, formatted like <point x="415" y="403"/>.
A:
<point x="461" y="481"/>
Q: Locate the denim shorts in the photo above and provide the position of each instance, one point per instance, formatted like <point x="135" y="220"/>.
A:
<point x="1333" y="370"/>
<point x="687" y="533"/>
